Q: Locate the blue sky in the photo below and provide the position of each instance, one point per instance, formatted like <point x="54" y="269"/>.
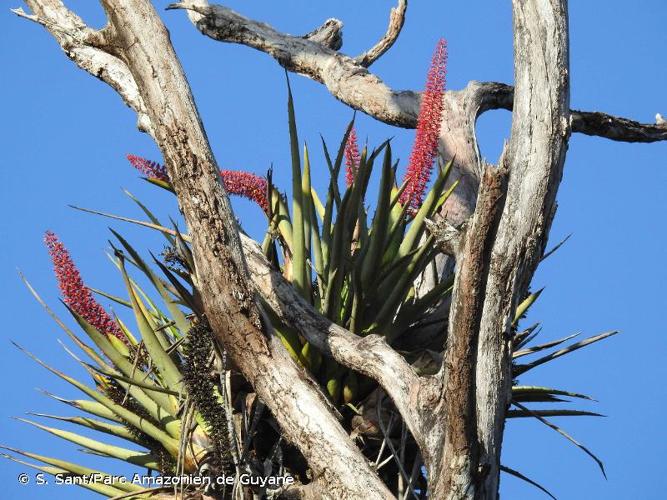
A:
<point x="65" y="136"/>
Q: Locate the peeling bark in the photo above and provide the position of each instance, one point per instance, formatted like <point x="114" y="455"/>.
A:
<point x="453" y="473"/>
<point x="535" y="158"/>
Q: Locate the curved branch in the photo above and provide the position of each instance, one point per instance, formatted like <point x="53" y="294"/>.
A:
<point x="350" y="82"/>
<point x="396" y="21"/>
<point x="492" y="95"/>
<point x="84" y="46"/>
<point x="346" y="80"/>
<point x="370" y="355"/>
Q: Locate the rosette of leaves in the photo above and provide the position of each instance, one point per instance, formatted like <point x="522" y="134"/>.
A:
<point x="359" y="268"/>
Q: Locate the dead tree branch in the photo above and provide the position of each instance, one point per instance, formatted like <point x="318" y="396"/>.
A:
<point x="453" y="473"/>
<point x="368" y="93"/>
<point x="346" y="80"/>
<point x="535" y="158"/>
<point x="396" y="21"/>
<point x="617" y="128"/>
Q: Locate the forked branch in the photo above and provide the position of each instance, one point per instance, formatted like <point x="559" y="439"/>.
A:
<point x="370" y="355"/>
<point x="365" y="91"/>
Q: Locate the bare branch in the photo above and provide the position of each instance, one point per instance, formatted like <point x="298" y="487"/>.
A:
<point x="617" y="128"/>
<point x="493" y="95"/>
<point x="396" y="21"/>
<point x="349" y="81"/>
<point x="456" y="469"/>
<point x="84" y="46"/>
<point x="346" y="80"/>
<point x="535" y="158"/>
<point x="330" y="34"/>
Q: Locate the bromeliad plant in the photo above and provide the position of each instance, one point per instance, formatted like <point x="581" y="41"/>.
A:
<point x="357" y="271"/>
<point x="162" y="384"/>
<point x="152" y="386"/>
<point x="356" y="267"/>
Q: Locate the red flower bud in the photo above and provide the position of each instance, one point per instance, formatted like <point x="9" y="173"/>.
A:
<point x="250" y="186"/>
<point x="239" y="183"/>
<point x="352" y="158"/>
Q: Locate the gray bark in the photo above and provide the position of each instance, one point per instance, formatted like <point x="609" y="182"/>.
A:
<point x="535" y="158"/>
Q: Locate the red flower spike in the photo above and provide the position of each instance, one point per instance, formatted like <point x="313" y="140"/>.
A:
<point x="237" y="182"/>
<point x="75" y="293"/>
<point x="352" y="158"/>
<point x="151" y="169"/>
<point x="247" y="185"/>
<point x="425" y="148"/>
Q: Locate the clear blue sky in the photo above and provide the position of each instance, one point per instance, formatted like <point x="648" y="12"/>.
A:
<point x="65" y="136"/>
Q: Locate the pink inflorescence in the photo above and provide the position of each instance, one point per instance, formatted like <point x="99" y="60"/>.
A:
<point x="75" y="293"/>
<point x="237" y="182"/>
<point x="352" y="158"/>
<point x="151" y="169"/>
<point x="425" y="148"/>
<point x="247" y="185"/>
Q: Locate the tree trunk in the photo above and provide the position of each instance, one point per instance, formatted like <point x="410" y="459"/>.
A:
<point x="501" y="254"/>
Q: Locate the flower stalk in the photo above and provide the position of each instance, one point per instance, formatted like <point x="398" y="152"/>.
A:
<point x="425" y="148"/>
<point x="75" y="293"/>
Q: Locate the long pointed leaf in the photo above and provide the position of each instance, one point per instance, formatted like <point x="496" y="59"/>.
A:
<point x="140" y="423"/>
<point x="85" y="405"/>
<point x="541" y="347"/>
<point x="525" y="305"/>
<point x="571" y="348"/>
<point x="162" y="361"/>
<point x="119" y="431"/>
<point x="532" y="389"/>
<point x="131" y="456"/>
<point x="127" y="368"/>
<point x="565" y="435"/>
<point x="177" y="315"/>
<point x="299" y="257"/>
<point x="552" y="413"/>
<point x="380" y="225"/>
<point x="170" y="239"/>
<point x="79" y="343"/>
<point x="518" y="475"/>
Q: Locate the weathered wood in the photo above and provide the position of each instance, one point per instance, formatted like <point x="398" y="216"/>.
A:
<point x="453" y="469"/>
<point x="396" y="21"/>
<point x="535" y="158"/>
